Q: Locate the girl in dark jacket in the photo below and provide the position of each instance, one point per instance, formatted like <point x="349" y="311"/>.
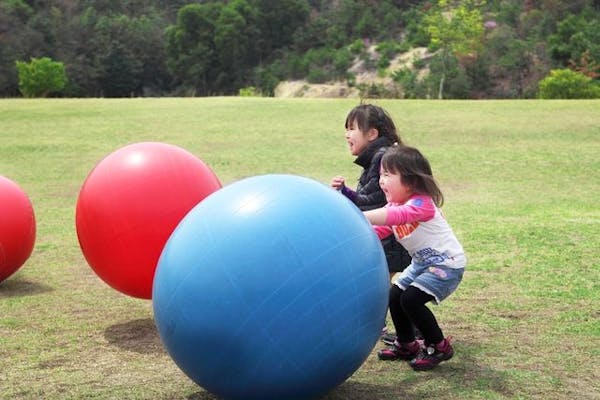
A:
<point x="369" y="132"/>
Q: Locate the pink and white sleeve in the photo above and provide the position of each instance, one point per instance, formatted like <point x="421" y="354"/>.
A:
<point x="418" y="209"/>
<point x="382" y="231"/>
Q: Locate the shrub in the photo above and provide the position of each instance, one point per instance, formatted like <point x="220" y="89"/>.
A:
<point x="318" y="75"/>
<point x="388" y="49"/>
<point x="357" y="47"/>
<point x="342" y="61"/>
<point x="382" y="64"/>
<point x="409" y="82"/>
<point x="249" y="91"/>
<point x="40" y="77"/>
<point x="267" y="79"/>
<point x="378" y="91"/>
<point x="568" y="84"/>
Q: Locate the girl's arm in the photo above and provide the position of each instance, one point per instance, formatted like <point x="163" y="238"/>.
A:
<point x="382" y="231"/>
<point x="370" y="194"/>
<point x="377" y="216"/>
<point x="349" y="193"/>
<point x="339" y="183"/>
<point x="418" y="208"/>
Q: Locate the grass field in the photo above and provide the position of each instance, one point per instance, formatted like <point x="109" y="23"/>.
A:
<point x="521" y="180"/>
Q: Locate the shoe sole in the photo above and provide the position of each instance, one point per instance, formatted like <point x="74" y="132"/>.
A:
<point x="395" y="358"/>
<point x="388" y="339"/>
<point x="387" y="359"/>
<point x="427" y="367"/>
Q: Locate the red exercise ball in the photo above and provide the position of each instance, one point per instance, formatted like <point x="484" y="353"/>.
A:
<point x="129" y="205"/>
<point x="17" y="228"/>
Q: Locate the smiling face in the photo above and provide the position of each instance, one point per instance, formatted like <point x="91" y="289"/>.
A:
<point x="395" y="190"/>
<point x="357" y="139"/>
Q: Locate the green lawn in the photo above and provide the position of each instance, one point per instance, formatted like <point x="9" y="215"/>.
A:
<point x="521" y="180"/>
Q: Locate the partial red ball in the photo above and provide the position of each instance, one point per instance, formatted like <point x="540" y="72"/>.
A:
<point x="129" y="205"/>
<point x="17" y="227"/>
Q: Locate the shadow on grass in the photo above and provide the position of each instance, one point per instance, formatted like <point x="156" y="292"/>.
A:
<point x="139" y="336"/>
<point x="349" y="390"/>
<point x="416" y="388"/>
<point x="346" y="391"/>
<point x="202" y="396"/>
<point x="19" y="287"/>
<point x="362" y="391"/>
<point x="462" y="376"/>
<point x="465" y="374"/>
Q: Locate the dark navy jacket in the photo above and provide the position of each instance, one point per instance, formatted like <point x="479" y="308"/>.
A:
<point x="368" y="194"/>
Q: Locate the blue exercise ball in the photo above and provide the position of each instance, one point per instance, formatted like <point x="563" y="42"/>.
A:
<point x="273" y="287"/>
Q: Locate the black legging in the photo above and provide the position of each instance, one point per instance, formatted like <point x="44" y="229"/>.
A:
<point x="408" y="310"/>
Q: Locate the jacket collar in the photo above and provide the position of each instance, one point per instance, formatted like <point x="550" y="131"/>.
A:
<point x="364" y="159"/>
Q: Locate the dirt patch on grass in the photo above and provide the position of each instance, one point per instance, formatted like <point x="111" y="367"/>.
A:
<point x="139" y="336"/>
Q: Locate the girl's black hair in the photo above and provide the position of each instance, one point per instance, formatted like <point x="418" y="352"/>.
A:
<point x="414" y="170"/>
<point x="369" y="116"/>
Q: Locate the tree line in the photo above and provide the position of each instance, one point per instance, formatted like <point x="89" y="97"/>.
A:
<point x="478" y="48"/>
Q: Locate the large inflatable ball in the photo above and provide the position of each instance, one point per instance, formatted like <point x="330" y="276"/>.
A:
<point x="130" y="204"/>
<point x="17" y="227"/>
<point x="274" y="287"/>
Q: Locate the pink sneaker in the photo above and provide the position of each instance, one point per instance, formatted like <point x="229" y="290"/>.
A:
<point x="430" y="356"/>
<point x="400" y="351"/>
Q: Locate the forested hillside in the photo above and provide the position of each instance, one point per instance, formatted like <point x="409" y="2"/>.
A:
<point x="473" y="48"/>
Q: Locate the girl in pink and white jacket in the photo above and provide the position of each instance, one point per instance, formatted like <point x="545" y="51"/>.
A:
<point x="413" y="216"/>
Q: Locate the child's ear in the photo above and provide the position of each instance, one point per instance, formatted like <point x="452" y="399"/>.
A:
<point x="372" y="134"/>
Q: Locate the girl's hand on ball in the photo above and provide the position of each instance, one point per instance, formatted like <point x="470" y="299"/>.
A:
<point x="338" y="182"/>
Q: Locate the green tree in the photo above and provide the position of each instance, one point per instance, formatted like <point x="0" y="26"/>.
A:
<point x="191" y="50"/>
<point x="121" y="72"/>
<point x="455" y="29"/>
<point x="510" y="59"/>
<point x="18" y="41"/>
<point x="278" y="22"/>
<point x="40" y="77"/>
<point x="127" y="54"/>
<point x="577" y="38"/>
<point x="235" y="38"/>
<point x="115" y="52"/>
